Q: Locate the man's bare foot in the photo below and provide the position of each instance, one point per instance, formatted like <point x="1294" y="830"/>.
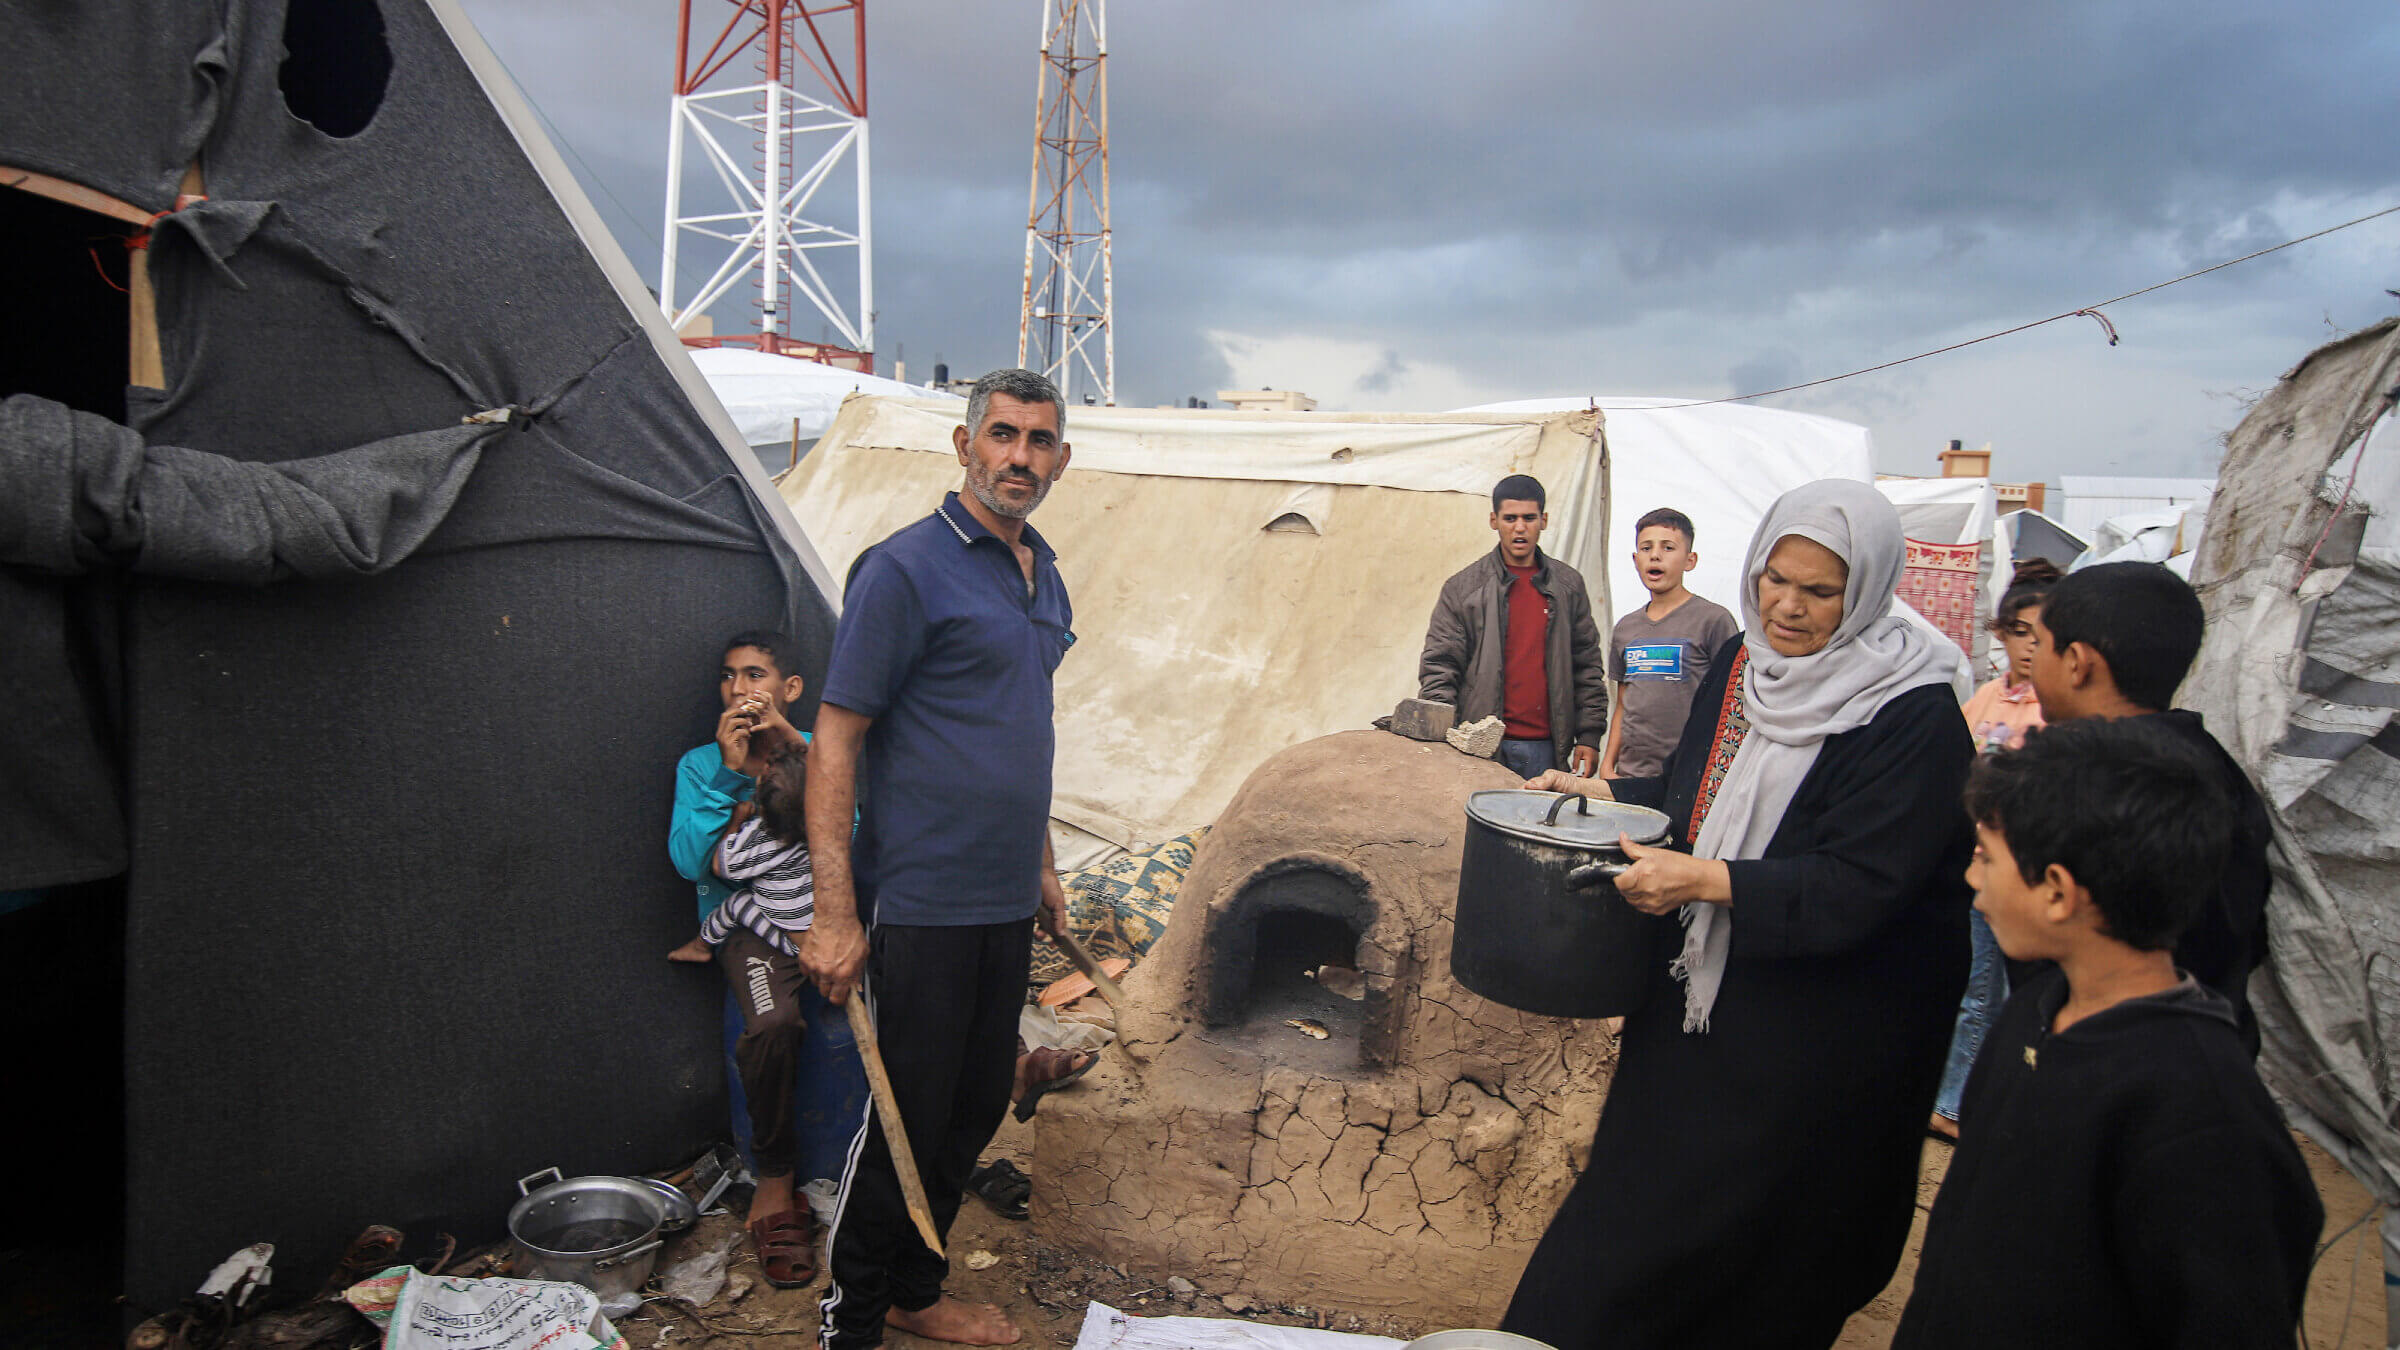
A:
<point x="947" y="1319"/>
<point x="773" y="1196"/>
<point x="694" y="950"/>
<point x="1943" y="1126"/>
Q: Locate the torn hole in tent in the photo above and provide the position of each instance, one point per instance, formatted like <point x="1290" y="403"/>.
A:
<point x="336" y="64"/>
<point x="1303" y="510"/>
<point x="68" y="325"/>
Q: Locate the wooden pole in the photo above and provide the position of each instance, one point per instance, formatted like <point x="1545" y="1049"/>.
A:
<point x="912" y="1186"/>
<point x="145" y="365"/>
<point x="1082" y="958"/>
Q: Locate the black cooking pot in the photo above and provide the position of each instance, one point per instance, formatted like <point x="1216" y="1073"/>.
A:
<point x="1539" y="927"/>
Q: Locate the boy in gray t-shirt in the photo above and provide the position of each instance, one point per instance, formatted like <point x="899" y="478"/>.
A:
<point x="1658" y="654"/>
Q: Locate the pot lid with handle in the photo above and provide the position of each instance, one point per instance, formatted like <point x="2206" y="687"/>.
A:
<point x="1565" y="820"/>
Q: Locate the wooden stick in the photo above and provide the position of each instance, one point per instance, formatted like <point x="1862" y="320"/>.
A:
<point x="1110" y="992"/>
<point x="895" y="1134"/>
<point x="1082" y="959"/>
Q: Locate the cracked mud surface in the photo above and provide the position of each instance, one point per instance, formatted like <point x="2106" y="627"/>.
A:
<point x="1410" y="1160"/>
<point x="1045" y="1288"/>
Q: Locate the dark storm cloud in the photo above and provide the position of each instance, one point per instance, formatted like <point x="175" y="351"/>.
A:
<point x="1690" y="196"/>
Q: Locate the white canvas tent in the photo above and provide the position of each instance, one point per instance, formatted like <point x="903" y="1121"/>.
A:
<point x="1241" y="582"/>
<point x="775" y="399"/>
<point x="1943" y="510"/>
<point x="2300" y="677"/>
<point x="1722" y="464"/>
<point x="2030" y="534"/>
<point x="1246" y="581"/>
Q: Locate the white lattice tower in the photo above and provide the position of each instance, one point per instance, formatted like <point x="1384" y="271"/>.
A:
<point x="1066" y="327"/>
<point x="775" y="106"/>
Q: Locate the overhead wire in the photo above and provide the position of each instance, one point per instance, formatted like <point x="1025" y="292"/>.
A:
<point x="2091" y="310"/>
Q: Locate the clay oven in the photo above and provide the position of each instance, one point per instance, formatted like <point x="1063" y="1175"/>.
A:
<point x="1400" y="1166"/>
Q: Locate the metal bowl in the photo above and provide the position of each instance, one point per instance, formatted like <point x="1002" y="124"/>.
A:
<point x="1476" y="1340"/>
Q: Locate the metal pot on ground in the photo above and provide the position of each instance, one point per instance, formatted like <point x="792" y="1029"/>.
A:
<point x="1539" y="927"/>
<point x="599" y="1232"/>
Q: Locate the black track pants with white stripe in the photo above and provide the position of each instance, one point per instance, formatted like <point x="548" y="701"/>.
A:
<point x="945" y="1002"/>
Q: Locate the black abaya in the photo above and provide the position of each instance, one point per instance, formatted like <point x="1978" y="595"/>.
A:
<point x="1752" y="1186"/>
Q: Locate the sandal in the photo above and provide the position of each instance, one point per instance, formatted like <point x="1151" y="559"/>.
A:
<point x="787" y="1249"/>
<point x="1003" y="1187"/>
<point x="1047" y="1069"/>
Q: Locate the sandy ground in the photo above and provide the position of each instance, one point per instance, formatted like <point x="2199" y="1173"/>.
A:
<point x="1046" y="1293"/>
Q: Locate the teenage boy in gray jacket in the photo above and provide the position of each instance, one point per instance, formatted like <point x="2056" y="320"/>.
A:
<point x="1512" y="636"/>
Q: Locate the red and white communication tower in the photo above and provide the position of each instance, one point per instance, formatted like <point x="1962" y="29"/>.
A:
<point x="1066" y="327"/>
<point x="775" y="103"/>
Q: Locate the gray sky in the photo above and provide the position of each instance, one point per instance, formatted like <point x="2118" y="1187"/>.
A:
<point x="1422" y="205"/>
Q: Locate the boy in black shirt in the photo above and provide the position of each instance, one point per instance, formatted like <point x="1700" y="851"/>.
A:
<point x="2114" y="641"/>
<point x="2122" y="1178"/>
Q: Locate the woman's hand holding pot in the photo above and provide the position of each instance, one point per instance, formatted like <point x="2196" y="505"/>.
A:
<point x="1661" y="881"/>
<point x="1559" y="780"/>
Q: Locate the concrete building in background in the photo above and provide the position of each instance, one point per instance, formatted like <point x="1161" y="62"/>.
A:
<point x="1266" y="400"/>
<point x="1960" y="462"/>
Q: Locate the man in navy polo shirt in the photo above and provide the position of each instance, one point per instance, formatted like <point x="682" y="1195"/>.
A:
<point x="936" y="726"/>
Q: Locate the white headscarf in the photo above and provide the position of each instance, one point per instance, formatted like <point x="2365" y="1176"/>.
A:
<point x="1795" y="702"/>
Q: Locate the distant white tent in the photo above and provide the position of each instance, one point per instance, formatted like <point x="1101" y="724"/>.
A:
<point x="1246" y="581"/>
<point x="1722" y="464"/>
<point x="1242" y="582"/>
<point x="1944" y="510"/>
<point x="2031" y="534"/>
<point x="2166" y="535"/>
<point x="768" y="394"/>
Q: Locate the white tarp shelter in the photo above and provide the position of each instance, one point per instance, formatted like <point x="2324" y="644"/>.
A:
<point x="1944" y="510"/>
<point x="1254" y="580"/>
<point x="2030" y="534"/>
<point x="2300" y="677"/>
<point x="767" y="394"/>
<point x="1722" y="464"/>
<point x="1246" y="581"/>
<point x="1242" y="582"/>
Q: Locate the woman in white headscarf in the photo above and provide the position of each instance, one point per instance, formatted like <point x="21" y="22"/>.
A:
<point x="1755" y="1168"/>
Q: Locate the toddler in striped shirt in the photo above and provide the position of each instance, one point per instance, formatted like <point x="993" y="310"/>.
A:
<point x="764" y="854"/>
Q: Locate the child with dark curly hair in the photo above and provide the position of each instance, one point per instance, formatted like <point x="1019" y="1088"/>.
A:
<point x="2122" y="1177"/>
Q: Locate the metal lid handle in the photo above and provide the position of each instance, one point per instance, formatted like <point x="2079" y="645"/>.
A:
<point x="1583" y="806"/>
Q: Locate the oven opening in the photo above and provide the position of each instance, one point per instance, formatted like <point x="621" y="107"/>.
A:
<point x="1284" y="977"/>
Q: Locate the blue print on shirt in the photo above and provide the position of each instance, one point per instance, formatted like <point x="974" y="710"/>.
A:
<point x="1654" y="661"/>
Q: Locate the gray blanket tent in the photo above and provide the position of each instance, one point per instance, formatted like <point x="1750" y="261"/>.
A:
<point x="353" y="650"/>
<point x="2300" y="677"/>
